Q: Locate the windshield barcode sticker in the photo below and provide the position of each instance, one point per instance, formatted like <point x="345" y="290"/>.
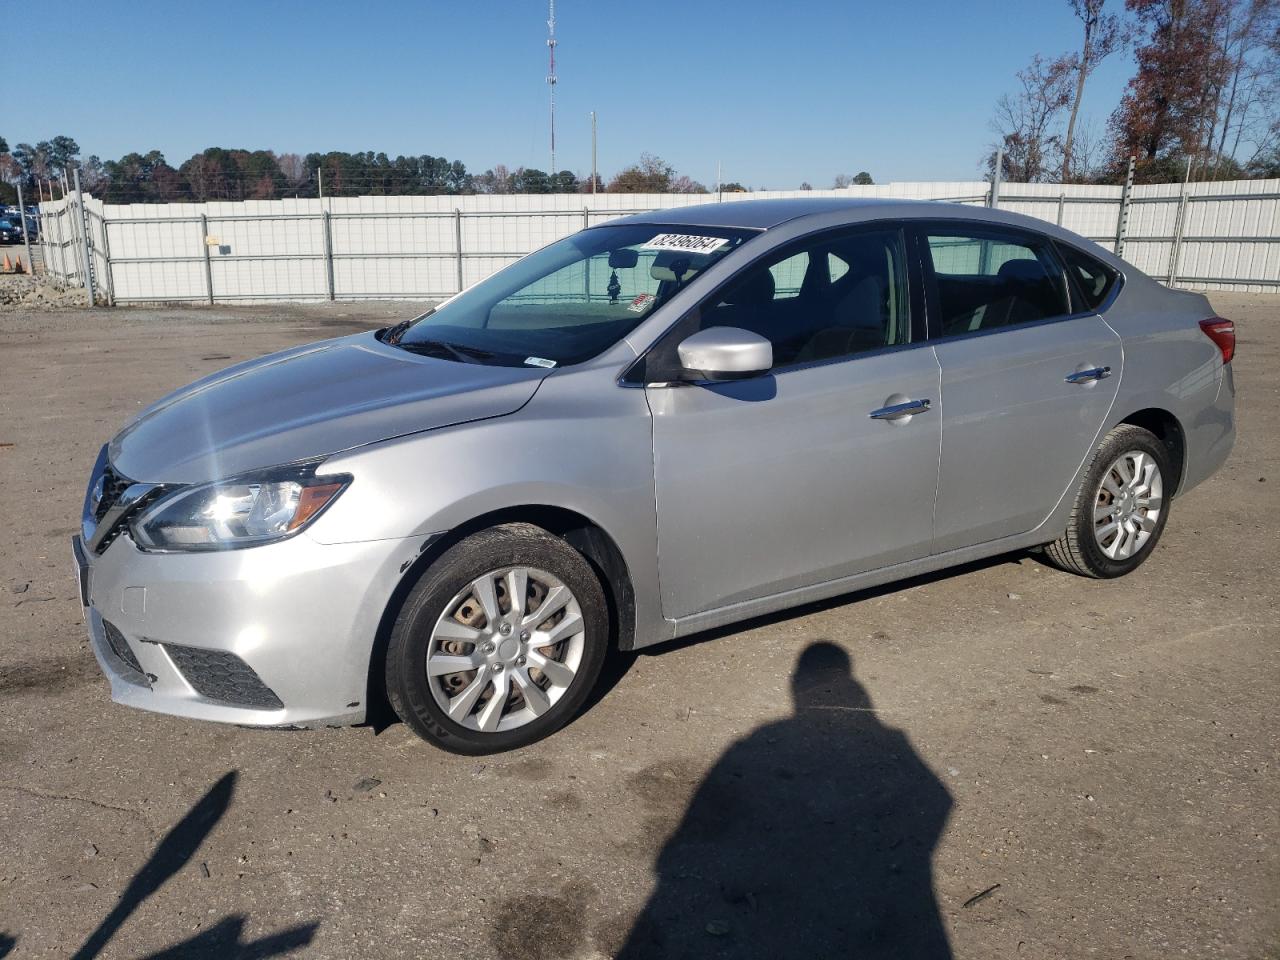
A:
<point x="539" y="362"/>
<point x="685" y="241"/>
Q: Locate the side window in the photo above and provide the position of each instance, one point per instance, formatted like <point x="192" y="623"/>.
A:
<point x="1094" y="279"/>
<point x="834" y="296"/>
<point x="788" y="276"/>
<point x="989" y="280"/>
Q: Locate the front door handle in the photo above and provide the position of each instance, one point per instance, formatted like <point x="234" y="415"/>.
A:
<point x="897" y="411"/>
<point x="1089" y="376"/>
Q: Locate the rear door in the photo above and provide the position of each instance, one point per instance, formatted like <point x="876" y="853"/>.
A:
<point x="1026" y="383"/>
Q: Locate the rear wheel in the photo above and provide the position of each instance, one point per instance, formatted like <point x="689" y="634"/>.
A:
<point x="499" y="643"/>
<point x="1121" y="507"/>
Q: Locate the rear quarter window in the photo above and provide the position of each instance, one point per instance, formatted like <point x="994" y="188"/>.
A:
<point x="1094" y="280"/>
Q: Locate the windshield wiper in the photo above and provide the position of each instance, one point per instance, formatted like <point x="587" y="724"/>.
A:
<point x="393" y="333"/>
<point x="458" y="351"/>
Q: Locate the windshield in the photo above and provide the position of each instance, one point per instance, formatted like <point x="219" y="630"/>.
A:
<point x="569" y="301"/>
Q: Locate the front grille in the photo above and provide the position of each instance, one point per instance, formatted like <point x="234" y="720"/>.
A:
<point x="113" y="487"/>
<point x="114" y="484"/>
<point x="221" y="675"/>
<point x="128" y="667"/>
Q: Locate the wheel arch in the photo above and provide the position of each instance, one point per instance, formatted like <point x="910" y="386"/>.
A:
<point x="579" y="531"/>
<point x="1171" y="434"/>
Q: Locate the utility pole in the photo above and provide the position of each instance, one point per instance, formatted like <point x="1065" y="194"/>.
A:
<point x="551" y="79"/>
<point x="320" y="183"/>
<point x="594" y="177"/>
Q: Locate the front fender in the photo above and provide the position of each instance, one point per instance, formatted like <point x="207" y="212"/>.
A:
<point x="587" y="450"/>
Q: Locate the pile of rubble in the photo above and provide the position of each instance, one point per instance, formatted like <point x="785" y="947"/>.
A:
<point x="34" y="293"/>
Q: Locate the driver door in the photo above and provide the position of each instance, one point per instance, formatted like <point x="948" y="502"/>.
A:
<point x="800" y="476"/>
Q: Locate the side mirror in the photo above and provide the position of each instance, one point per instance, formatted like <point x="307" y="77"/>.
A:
<point x="725" y="353"/>
<point x="623" y="259"/>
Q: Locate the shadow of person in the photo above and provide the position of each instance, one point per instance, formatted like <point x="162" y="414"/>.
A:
<point x="177" y="847"/>
<point x="812" y="837"/>
<point x="223" y="941"/>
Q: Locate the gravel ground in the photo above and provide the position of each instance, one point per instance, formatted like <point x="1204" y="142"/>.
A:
<point x="1021" y="763"/>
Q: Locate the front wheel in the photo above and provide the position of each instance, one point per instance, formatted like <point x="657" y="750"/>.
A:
<point x="499" y="643"/>
<point x="1121" y="507"/>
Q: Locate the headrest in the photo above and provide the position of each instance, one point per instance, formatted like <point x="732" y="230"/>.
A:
<point x="755" y="287"/>
<point x="862" y="305"/>
<point x="1028" y="271"/>
<point x="690" y="264"/>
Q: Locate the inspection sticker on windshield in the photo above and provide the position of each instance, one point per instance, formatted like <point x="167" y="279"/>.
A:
<point x="685" y="241"/>
<point x="539" y="362"/>
<point x="641" y="303"/>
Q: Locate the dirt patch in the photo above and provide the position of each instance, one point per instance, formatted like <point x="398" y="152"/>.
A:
<point x="46" y="676"/>
<point x="542" y="927"/>
<point x="532" y="770"/>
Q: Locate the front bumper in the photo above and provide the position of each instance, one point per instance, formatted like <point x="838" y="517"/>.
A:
<point x="204" y="634"/>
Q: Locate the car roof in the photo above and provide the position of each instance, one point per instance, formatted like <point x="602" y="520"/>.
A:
<point x="765" y="214"/>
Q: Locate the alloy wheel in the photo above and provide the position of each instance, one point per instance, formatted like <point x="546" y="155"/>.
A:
<point x="1128" y="504"/>
<point x="505" y="649"/>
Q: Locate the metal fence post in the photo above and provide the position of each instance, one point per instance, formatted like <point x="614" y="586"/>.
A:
<point x="457" y="240"/>
<point x="993" y="199"/>
<point x="65" y="238"/>
<point x="84" y="237"/>
<point x="106" y="256"/>
<point x="43" y="239"/>
<point x="586" y="217"/>
<point x="1062" y="202"/>
<point x="1122" y="218"/>
<point x="208" y="264"/>
<point x="328" y="253"/>
<point x="26" y="241"/>
<point x="1179" y="228"/>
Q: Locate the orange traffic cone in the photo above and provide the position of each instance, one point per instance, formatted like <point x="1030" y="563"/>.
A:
<point x="7" y="267"/>
<point x="18" y="266"/>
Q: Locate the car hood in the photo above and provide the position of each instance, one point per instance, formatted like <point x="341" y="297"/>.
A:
<point x="309" y="402"/>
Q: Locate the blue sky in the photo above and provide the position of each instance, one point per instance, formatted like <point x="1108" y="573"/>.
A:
<point x="779" y="92"/>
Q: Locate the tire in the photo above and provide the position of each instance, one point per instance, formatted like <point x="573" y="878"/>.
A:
<point x="1089" y="547"/>
<point x="444" y="621"/>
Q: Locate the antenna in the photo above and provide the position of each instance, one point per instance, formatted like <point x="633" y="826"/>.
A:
<point x="551" y="79"/>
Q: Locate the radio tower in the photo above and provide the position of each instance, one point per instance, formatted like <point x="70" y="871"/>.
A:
<point x="551" y="79"/>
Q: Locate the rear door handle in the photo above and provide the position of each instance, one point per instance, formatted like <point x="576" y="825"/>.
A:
<point x="899" y="410"/>
<point x="1089" y="376"/>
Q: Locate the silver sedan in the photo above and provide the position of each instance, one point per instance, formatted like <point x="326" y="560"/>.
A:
<point x="655" y="426"/>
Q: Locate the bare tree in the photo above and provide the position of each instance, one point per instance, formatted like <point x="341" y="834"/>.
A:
<point x="1026" y="121"/>
<point x="293" y="167"/>
<point x="1090" y="153"/>
<point x="1102" y="37"/>
<point x="1246" y="101"/>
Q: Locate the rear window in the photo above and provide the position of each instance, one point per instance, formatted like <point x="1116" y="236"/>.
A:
<point x="1094" y="279"/>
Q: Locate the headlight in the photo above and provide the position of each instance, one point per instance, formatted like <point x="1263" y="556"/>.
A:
<point x="240" y="512"/>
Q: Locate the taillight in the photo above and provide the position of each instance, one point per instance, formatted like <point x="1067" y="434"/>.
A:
<point x="1223" y="333"/>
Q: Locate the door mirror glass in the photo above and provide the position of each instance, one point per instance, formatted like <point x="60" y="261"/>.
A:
<point x="725" y="353"/>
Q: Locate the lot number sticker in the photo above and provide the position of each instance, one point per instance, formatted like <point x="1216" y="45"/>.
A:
<point x="685" y="241"/>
